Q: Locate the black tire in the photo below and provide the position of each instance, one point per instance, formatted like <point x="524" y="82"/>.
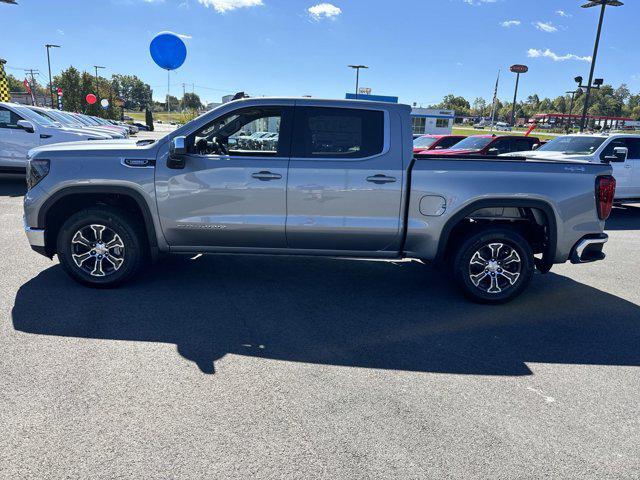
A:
<point x="493" y="280"/>
<point x="118" y="264"/>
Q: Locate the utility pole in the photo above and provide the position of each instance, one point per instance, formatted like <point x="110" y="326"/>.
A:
<point x="32" y="72"/>
<point x="183" y="94"/>
<point x="48" y="46"/>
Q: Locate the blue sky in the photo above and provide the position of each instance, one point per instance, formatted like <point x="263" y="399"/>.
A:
<point x="419" y="50"/>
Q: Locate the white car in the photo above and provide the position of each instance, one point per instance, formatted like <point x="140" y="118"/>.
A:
<point x="503" y="127"/>
<point x="65" y="119"/>
<point x="22" y="129"/>
<point x="622" y="151"/>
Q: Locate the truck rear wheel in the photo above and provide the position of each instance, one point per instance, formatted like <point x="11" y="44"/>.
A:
<point x="494" y="266"/>
<point x="100" y="247"/>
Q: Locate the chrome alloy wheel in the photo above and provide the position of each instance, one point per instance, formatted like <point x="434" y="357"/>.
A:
<point x="495" y="267"/>
<point x="97" y="250"/>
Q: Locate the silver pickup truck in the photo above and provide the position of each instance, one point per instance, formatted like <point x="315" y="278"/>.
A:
<point x="339" y="179"/>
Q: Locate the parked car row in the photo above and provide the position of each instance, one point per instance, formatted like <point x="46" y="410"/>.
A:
<point x="621" y="150"/>
<point x="266" y="141"/>
<point x="473" y="145"/>
<point x="25" y="127"/>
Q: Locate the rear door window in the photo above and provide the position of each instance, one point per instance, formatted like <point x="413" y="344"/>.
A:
<point x="337" y="133"/>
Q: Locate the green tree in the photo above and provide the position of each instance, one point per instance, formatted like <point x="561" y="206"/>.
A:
<point x="135" y="93"/>
<point x="191" y="101"/>
<point x="15" y="85"/>
<point x="479" y="107"/>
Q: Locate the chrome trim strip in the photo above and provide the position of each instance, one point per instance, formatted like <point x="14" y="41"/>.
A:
<point x="35" y="236"/>
<point x="583" y="244"/>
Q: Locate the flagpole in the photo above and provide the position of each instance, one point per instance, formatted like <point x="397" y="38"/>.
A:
<point x="495" y="97"/>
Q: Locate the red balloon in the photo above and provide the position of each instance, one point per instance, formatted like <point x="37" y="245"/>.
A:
<point x="91" y="99"/>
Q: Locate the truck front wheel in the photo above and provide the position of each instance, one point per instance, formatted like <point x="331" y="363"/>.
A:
<point x="100" y="247"/>
<point x="494" y="266"/>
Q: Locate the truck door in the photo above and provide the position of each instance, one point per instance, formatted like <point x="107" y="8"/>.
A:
<point x="14" y="141"/>
<point x="231" y="189"/>
<point x="634" y="160"/>
<point x="345" y="180"/>
<point x="622" y="171"/>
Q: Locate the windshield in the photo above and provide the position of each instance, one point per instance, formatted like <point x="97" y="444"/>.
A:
<point x="59" y="118"/>
<point x="424" y="142"/>
<point x="573" y="145"/>
<point x="35" y="116"/>
<point x="472" y="143"/>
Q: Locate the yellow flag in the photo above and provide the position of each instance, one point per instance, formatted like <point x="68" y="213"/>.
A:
<point x="4" y="83"/>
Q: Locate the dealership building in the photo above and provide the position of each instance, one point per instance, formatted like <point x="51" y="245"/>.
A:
<point x="423" y="120"/>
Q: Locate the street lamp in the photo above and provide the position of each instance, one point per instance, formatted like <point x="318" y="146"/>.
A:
<point x="97" y="84"/>
<point x="517" y="69"/>
<point x="48" y="46"/>
<point x="357" y="69"/>
<point x="603" y="5"/>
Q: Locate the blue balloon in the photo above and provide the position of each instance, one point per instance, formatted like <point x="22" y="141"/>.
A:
<point x="168" y="50"/>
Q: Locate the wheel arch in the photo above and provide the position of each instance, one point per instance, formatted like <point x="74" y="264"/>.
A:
<point x="96" y="195"/>
<point x="463" y="213"/>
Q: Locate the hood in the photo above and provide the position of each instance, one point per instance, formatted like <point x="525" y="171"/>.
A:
<point x="453" y="152"/>
<point x="89" y="146"/>
<point x="87" y="133"/>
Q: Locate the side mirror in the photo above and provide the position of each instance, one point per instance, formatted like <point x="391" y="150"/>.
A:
<point x="178" y="146"/>
<point x="619" y="155"/>
<point x="26" y="125"/>
<point x="535" y="146"/>
<point x="492" y="151"/>
<point x="177" y="150"/>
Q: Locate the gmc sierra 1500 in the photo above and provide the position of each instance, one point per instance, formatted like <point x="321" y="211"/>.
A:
<point x="338" y="179"/>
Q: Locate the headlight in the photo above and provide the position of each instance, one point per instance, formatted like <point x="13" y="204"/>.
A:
<point x="36" y="171"/>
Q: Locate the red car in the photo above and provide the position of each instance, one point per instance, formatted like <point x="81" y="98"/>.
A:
<point x="424" y="143"/>
<point x="489" y="145"/>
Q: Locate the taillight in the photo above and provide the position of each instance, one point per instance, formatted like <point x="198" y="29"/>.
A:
<point x="605" y="191"/>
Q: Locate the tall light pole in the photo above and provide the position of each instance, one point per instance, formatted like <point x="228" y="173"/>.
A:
<point x="97" y="84"/>
<point x="48" y="46"/>
<point x="357" y="69"/>
<point x="517" y="69"/>
<point x="603" y="5"/>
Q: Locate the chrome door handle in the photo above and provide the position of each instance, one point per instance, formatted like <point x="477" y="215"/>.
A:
<point x="627" y="166"/>
<point x="380" y="179"/>
<point x="266" y="176"/>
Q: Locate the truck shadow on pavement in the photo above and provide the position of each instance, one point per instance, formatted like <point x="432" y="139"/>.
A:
<point x="624" y="217"/>
<point x="382" y="315"/>
<point x="12" y="186"/>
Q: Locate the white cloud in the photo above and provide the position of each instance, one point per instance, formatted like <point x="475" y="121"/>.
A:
<point x="324" y="10"/>
<point x="536" y="53"/>
<point x="563" y="14"/>
<point x="546" y="27"/>
<point x="477" y="3"/>
<point x="510" y="23"/>
<point x="223" y="6"/>
<point x="60" y="32"/>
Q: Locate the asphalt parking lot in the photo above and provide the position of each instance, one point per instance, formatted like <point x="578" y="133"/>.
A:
<point x="250" y="367"/>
